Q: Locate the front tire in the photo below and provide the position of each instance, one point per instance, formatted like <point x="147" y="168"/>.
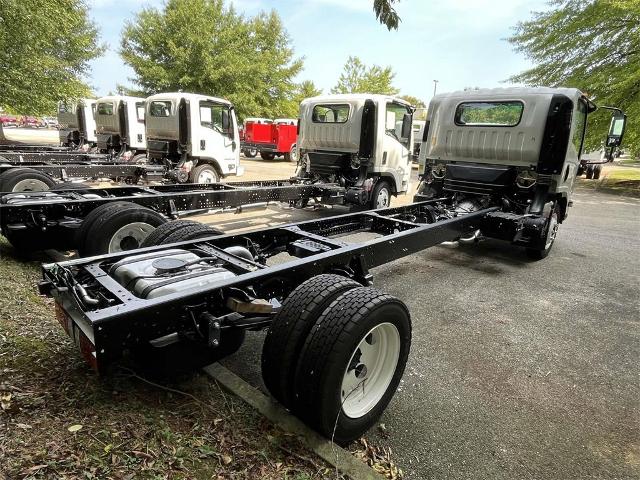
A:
<point x="381" y="195"/>
<point x="551" y="230"/>
<point x="352" y="363"/>
<point x="204" y="173"/>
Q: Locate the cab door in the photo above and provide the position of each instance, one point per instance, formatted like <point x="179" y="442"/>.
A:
<point x="394" y="158"/>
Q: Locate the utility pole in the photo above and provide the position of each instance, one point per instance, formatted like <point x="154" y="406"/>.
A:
<point x="435" y="87"/>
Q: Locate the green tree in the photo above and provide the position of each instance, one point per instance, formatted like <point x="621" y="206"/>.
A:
<point x="303" y="90"/>
<point x="386" y="14"/>
<point x="593" y="45"/>
<point x="415" y="101"/>
<point x="45" y="49"/>
<point x="358" y="78"/>
<point x="201" y="46"/>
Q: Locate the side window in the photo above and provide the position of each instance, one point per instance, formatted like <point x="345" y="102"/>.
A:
<point x="394" y="116"/>
<point x="105" y="108"/>
<point x="212" y="114"/>
<point x="160" y="109"/>
<point x="330" y="113"/>
<point x="580" y="122"/>
<point x="489" y="114"/>
<point x="140" y="111"/>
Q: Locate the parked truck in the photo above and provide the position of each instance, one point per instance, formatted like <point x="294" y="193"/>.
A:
<point x="499" y="163"/>
<point x="517" y="149"/>
<point x="120" y="127"/>
<point x="195" y="136"/>
<point x="271" y="139"/>
<point x="251" y="152"/>
<point x="77" y="123"/>
<point x="361" y="142"/>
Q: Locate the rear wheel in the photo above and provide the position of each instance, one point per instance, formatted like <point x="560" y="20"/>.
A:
<point x="179" y="231"/>
<point x="250" y="152"/>
<point x="352" y="363"/>
<point x="204" y="174"/>
<point x="290" y="328"/>
<point x="116" y="227"/>
<point x="291" y="154"/>
<point x="597" y="170"/>
<point x="25" y="180"/>
<point x="267" y="155"/>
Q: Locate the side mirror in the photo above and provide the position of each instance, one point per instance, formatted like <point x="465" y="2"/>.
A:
<point x="407" y="124"/>
<point x="226" y="122"/>
<point x="616" y="129"/>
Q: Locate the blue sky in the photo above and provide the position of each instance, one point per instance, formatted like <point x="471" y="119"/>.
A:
<point x="458" y="42"/>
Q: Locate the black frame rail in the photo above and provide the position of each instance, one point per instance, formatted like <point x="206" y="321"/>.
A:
<point x="123" y="320"/>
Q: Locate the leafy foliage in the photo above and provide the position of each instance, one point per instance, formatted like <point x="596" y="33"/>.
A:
<point x="593" y="45"/>
<point x="45" y="47"/>
<point x="386" y="14"/>
<point x="415" y="101"/>
<point x="358" y="78"/>
<point x="494" y="113"/>
<point x="201" y="46"/>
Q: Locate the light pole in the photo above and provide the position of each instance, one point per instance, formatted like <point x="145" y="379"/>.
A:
<point x="435" y="87"/>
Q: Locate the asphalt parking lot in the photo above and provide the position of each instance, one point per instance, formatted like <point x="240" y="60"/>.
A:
<point x="518" y="369"/>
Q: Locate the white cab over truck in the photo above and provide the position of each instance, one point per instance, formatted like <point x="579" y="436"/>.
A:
<point x="359" y="141"/>
<point x="77" y="123"/>
<point x="120" y="126"/>
<point x="195" y="136"/>
<point x="516" y="149"/>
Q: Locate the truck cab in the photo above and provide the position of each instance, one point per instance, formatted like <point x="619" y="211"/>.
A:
<point x="120" y="126"/>
<point x="516" y="149"/>
<point x="359" y="141"/>
<point x="195" y="136"/>
<point x="77" y="123"/>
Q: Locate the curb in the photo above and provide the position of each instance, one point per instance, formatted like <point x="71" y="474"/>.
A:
<point x="331" y="453"/>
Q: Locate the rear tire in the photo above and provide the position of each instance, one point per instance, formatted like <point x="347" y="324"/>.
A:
<point x="267" y="155"/>
<point x="177" y="231"/>
<point x="290" y="328"/>
<point x="204" y="173"/>
<point x="250" y="152"/>
<point x="361" y="342"/>
<point x="597" y="170"/>
<point x="116" y="227"/>
<point x="25" y="180"/>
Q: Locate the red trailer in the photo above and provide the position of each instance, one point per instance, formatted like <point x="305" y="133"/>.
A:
<point x="271" y="139"/>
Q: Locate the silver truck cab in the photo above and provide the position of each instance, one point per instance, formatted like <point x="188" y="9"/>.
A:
<point x="120" y="125"/>
<point x="77" y="122"/>
<point x="514" y="148"/>
<point x="196" y="136"/>
<point x="360" y="141"/>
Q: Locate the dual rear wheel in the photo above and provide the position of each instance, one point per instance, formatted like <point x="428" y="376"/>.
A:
<point x="335" y="353"/>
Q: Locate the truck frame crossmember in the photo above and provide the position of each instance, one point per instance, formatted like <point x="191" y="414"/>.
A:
<point x="121" y="319"/>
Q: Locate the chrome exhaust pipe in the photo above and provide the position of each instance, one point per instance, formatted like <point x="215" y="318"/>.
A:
<point x="466" y="241"/>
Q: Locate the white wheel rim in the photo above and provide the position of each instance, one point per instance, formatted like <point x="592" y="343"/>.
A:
<point x="370" y="370"/>
<point x="383" y="198"/>
<point x="294" y="153"/>
<point x="130" y="236"/>
<point x="30" y="185"/>
<point x="207" y="176"/>
<point x="552" y="231"/>
<point x="253" y="152"/>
